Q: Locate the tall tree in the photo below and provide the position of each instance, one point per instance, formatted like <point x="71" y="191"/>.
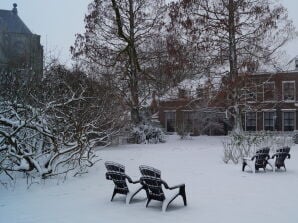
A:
<point x="239" y="34"/>
<point x="114" y="44"/>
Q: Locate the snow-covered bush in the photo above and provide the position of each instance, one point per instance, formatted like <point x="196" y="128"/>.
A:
<point x="57" y="130"/>
<point x="147" y="133"/>
<point x="242" y="145"/>
<point x="183" y="131"/>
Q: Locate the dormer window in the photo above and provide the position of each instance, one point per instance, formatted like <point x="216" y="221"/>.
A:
<point x="183" y="93"/>
<point x="200" y="92"/>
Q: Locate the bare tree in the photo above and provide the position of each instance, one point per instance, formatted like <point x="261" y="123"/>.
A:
<point x="238" y="34"/>
<point x="114" y="45"/>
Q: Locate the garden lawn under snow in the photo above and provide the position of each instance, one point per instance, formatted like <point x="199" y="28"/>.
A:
<point x="216" y="192"/>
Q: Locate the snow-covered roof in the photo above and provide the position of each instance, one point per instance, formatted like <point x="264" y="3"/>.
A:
<point x="190" y="85"/>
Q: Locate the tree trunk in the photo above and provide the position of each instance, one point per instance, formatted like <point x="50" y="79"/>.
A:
<point x="233" y="61"/>
<point x="134" y="68"/>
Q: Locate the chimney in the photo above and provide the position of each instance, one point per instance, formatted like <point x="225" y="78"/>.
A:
<point x="15" y="10"/>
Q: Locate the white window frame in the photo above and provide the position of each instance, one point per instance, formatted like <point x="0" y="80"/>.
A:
<point x="268" y="110"/>
<point x="256" y="119"/>
<point x="274" y="93"/>
<point x="289" y="101"/>
<point x="288" y="110"/>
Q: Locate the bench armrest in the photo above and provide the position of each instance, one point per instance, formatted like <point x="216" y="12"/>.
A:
<point x="177" y="186"/>
<point x="131" y="181"/>
<point x="289" y="156"/>
<point x="108" y="176"/>
<point x="173" y="187"/>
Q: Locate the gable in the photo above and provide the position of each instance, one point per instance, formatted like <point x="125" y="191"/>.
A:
<point x="11" y="22"/>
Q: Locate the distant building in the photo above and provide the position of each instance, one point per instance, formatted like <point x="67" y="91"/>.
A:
<point x="269" y="102"/>
<point x="188" y="108"/>
<point x="20" y="49"/>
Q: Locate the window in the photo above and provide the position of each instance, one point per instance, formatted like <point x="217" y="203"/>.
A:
<point x="288" y="120"/>
<point x="288" y="90"/>
<point x="170" y="117"/>
<point x="269" y="121"/>
<point x="251" y="121"/>
<point x="188" y="121"/>
<point x="269" y="91"/>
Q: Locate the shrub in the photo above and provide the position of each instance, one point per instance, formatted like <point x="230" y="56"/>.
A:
<point x="147" y="133"/>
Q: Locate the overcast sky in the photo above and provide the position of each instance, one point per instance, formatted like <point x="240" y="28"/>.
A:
<point x="57" y="21"/>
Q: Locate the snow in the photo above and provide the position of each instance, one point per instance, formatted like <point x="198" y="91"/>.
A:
<point x="216" y="192"/>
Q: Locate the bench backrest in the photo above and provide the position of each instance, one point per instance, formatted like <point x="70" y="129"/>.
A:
<point x="285" y="149"/>
<point x="153" y="188"/>
<point x="149" y="171"/>
<point x="112" y="166"/>
<point x="116" y="173"/>
<point x="281" y="154"/>
<point x="262" y="155"/>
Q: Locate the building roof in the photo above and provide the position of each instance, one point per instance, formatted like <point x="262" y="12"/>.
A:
<point x="11" y="22"/>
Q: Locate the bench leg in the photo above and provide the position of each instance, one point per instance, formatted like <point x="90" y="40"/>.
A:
<point x="183" y="194"/>
<point x="114" y="193"/>
<point x="130" y="197"/>
<point x="148" y="201"/>
<point x="243" y="166"/>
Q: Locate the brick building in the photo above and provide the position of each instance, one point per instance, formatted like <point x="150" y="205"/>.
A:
<point x="270" y="103"/>
<point x="188" y="109"/>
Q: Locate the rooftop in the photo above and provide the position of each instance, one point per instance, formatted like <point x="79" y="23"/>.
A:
<point x="10" y="22"/>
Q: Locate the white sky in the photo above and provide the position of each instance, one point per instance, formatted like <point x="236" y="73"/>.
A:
<point x="57" y="21"/>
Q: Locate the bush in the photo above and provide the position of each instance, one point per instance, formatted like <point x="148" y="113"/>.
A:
<point x="238" y="146"/>
<point x="183" y="131"/>
<point x="147" y="133"/>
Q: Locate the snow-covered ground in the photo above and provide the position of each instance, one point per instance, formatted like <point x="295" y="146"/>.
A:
<point x="216" y="192"/>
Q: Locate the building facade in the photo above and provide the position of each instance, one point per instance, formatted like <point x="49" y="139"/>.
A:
<point x="273" y="102"/>
<point x="269" y="102"/>
<point x="192" y="114"/>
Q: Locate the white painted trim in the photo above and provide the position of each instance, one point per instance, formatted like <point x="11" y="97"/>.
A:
<point x="187" y="110"/>
<point x="256" y="121"/>
<point x="290" y="109"/>
<point x="269" y="110"/>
